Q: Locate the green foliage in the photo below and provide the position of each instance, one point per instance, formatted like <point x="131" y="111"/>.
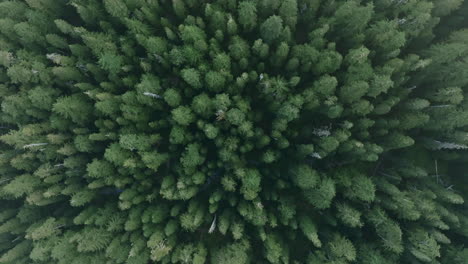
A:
<point x="172" y="97"/>
<point x="75" y="107"/>
<point x="247" y="15"/>
<point x="225" y="131"/>
<point x="235" y="253"/>
<point x="304" y="177"/>
<point x="116" y="8"/>
<point x="322" y="195"/>
<point x="183" y="115"/>
<point x="91" y="239"/>
<point x="271" y="29"/>
<point x="192" y="77"/>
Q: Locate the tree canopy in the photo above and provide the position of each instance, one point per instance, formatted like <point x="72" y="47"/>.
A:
<point x="233" y="131"/>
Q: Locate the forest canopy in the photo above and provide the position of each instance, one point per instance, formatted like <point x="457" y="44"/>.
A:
<point x="233" y="131"/>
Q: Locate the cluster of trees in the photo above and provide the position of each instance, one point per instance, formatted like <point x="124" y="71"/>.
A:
<point x="233" y="131"/>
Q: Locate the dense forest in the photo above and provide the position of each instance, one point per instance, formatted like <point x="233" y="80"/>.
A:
<point x="233" y="131"/>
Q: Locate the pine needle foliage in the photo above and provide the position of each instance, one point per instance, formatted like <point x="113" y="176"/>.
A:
<point x="233" y="131"/>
